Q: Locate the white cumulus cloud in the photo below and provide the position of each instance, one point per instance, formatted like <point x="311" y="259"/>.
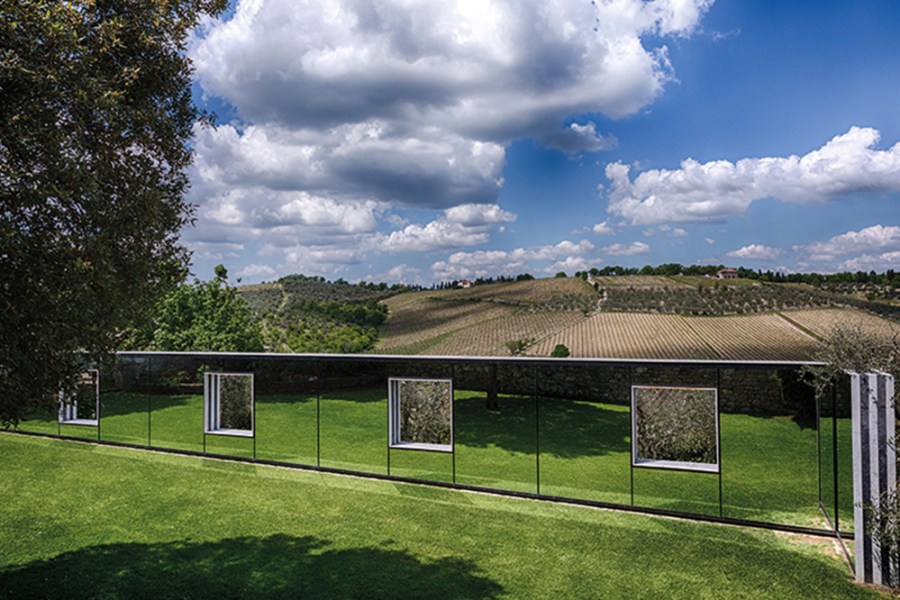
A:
<point x="366" y="107"/>
<point x="566" y="255"/>
<point x="713" y="191"/>
<point x="874" y="248"/>
<point x="460" y="226"/>
<point x="257" y="271"/>
<point x="874" y="239"/>
<point x="603" y="228"/>
<point x="632" y="249"/>
<point x="756" y="252"/>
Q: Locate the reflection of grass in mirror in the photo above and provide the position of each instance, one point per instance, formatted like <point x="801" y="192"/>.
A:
<point x="229" y="445"/>
<point x="676" y="424"/>
<point x="286" y="428"/>
<point x="585" y="450"/>
<point x="124" y="417"/>
<point x="683" y="491"/>
<point x="845" y="474"/>
<point x="45" y="420"/>
<point x="425" y="411"/>
<point x="419" y="464"/>
<point x="354" y="429"/>
<point x="151" y="524"/>
<point x="495" y="448"/>
<point x="87" y="432"/>
<point x="769" y="469"/>
<point x="177" y="422"/>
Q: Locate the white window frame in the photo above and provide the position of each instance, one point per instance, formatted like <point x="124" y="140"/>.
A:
<point x="677" y="465"/>
<point x="68" y="410"/>
<point x="395" y="436"/>
<point x="212" y="387"/>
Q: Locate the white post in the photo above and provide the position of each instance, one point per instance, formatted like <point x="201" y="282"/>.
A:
<point x="874" y="468"/>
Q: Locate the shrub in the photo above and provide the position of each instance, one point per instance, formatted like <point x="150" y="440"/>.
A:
<point x="560" y="351"/>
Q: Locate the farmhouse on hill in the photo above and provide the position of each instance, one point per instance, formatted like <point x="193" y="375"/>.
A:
<point x="727" y="274"/>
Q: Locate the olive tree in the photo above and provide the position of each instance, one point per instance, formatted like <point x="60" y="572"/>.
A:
<point x="95" y="117"/>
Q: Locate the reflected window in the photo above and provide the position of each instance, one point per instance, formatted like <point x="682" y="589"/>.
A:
<point x="421" y="414"/>
<point x="82" y="405"/>
<point x="675" y="428"/>
<point x="228" y="403"/>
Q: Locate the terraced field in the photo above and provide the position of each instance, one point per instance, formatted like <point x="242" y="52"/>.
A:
<point x="754" y="337"/>
<point x="629" y="335"/>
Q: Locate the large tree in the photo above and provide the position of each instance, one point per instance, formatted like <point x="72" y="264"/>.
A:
<point x="206" y="316"/>
<point x="95" y="118"/>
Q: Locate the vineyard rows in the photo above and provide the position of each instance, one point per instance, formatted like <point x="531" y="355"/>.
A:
<point x="629" y="335"/>
<point x="521" y="292"/>
<point x="489" y="339"/>
<point x="636" y="281"/>
<point x="415" y="323"/>
<point x="820" y="322"/>
<point x="756" y="337"/>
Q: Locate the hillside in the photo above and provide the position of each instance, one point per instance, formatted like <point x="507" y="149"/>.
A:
<point x="480" y="320"/>
<point x="310" y="314"/>
<point x="633" y="316"/>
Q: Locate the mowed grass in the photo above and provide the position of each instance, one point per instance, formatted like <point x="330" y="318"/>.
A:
<point x="86" y="521"/>
<point x="555" y="447"/>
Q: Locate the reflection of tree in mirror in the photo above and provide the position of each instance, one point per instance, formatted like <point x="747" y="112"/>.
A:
<point x="84" y="396"/>
<point x="425" y="412"/>
<point x="676" y="424"/>
<point x="235" y="393"/>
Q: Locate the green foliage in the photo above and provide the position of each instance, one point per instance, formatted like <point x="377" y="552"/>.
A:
<point x="676" y="424"/>
<point x="560" y="351"/>
<point x="883" y="519"/>
<point x="311" y="334"/>
<point x="202" y="316"/>
<point x="561" y="275"/>
<point x="846" y="348"/>
<point x="425" y="412"/>
<point x="517" y="347"/>
<point x="236" y="409"/>
<point x="95" y="117"/>
<point x="309" y="314"/>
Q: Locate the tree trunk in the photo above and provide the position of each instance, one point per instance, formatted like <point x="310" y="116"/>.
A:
<point x="491" y="402"/>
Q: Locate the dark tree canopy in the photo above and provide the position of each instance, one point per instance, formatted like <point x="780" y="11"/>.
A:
<point x="95" y="117"/>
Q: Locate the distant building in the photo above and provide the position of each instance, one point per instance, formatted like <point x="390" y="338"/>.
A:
<point x="465" y="283"/>
<point x="727" y="274"/>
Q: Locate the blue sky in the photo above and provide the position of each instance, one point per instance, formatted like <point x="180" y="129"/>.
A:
<point x="422" y="141"/>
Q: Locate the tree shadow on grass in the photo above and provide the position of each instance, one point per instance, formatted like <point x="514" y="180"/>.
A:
<point x="568" y="428"/>
<point x="117" y="404"/>
<point x="278" y="566"/>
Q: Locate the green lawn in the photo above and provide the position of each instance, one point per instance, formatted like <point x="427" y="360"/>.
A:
<point x="580" y="449"/>
<point x="87" y="521"/>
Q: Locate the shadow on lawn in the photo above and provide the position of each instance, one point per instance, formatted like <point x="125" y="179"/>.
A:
<point x="278" y="566"/>
<point x="115" y="404"/>
<point x="568" y="429"/>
